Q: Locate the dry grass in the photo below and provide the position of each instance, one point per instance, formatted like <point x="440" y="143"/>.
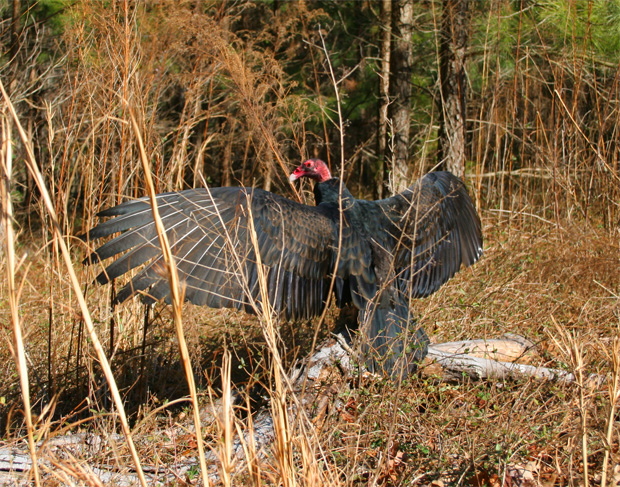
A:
<point x="548" y="191"/>
<point x="392" y="433"/>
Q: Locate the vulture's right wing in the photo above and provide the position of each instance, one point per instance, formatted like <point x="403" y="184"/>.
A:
<point x="210" y="236"/>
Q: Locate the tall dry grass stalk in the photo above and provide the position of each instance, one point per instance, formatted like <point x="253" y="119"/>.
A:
<point x="225" y="422"/>
<point x="613" y="385"/>
<point x="572" y="349"/>
<point x="14" y="291"/>
<point x="340" y="127"/>
<point x="36" y="174"/>
<point x="279" y="404"/>
<point x="176" y="294"/>
<point x="293" y="430"/>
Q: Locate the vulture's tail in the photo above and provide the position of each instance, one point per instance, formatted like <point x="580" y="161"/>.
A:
<point x="393" y="343"/>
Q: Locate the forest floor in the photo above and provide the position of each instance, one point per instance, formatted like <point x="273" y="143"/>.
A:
<point x="558" y="285"/>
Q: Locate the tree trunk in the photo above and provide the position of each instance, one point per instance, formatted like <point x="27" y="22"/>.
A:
<point x="453" y="86"/>
<point x="15" y="20"/>
<point x="399" y="110"/>
<point x="384" y="93"/>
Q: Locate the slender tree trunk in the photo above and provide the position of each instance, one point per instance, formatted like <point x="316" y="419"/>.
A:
<point x="384" y="92"/>
<point x="453" y="86"/>
<point x="15" y="20"/>
<point x="399" y="110"/>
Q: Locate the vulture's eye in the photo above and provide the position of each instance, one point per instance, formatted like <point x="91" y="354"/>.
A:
<point x="308" y="163"/>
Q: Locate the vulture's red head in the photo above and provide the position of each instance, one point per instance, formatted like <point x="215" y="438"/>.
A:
<point x="314" y="169"/>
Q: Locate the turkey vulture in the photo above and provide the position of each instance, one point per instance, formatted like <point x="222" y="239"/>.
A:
<point x="383" y="252"/>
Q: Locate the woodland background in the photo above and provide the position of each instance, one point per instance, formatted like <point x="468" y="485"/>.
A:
<point x="519" y="97"/>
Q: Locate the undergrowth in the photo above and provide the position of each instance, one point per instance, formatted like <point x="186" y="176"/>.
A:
<point x="425" y="428"/>
<point x="225" y="99"/>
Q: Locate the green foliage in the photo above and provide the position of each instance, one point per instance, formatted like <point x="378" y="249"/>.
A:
<point x="563" y="30"/>
<point x="580" y="28"/>
<point x="54" y="13"/>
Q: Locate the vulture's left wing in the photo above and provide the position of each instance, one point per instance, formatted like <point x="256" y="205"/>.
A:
<point x="435" y="230"/>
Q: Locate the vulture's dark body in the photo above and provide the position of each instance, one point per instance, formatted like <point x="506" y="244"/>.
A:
<point x="391" y="251"/>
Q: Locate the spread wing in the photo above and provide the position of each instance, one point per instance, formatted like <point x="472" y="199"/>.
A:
<point x="431" y="230"/>
<point x="210" y="236"/>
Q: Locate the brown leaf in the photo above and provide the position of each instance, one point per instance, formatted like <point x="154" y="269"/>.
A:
<point x="349" y="413"/>
<point x="482" y="478"/>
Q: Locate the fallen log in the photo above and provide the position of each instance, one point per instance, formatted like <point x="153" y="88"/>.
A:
<point x="507" y="348"/>
<point x="456" y="366"/>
